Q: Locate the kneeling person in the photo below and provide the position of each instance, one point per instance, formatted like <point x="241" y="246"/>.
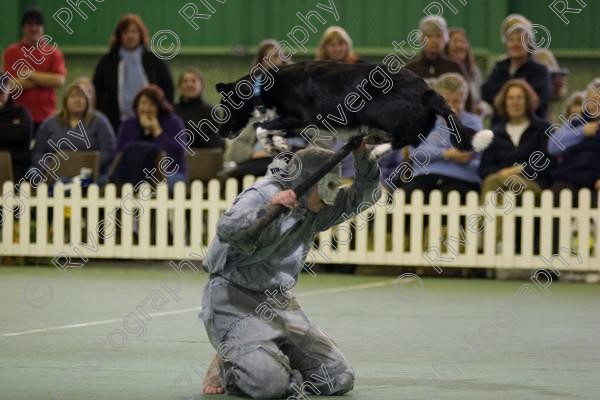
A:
<point x="278" y="353"/>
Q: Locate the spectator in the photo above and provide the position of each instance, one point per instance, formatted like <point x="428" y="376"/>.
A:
<point x="516" y="138"/>
<point x="87" y="85"/>
<point x="267" y="54"/>
<point x="336" y="45"/>
<point x="96" y="134"/>
<point x="156" y="123"/>
<point x="459" y="50"/>
<point x="448" y="168"/>
<point x="541" y="56"/>
<point x="433" y="62"/>
<point x="15" y="134"/>
<point x="127" y="68"/>
<point x="48" y="71"/>
<point x="577" y="148"/>
<point x="519" y="64"/>
<point x="248" y="153"/>
<point x="193" y="109"/>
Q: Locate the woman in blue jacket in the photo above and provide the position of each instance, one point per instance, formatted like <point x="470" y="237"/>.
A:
<point x="576" y="146"/>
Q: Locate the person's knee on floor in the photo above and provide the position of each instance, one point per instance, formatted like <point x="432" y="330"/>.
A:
<point x="260" y="371"/>
<point x="329" y="380"/>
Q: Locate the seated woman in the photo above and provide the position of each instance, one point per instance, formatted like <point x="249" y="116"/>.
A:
<point x="16" y="128"/>
<point x="577" y="149"/>
<point x="155" y="123"/>
<point x="77" y="108"/>
<point x="193" y="109"/>
<point x="516" y="138"/>
<point x="448" y="168"/>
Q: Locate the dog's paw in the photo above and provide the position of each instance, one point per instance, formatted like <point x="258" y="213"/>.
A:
<point x="380" y="151"/>
<point x="482" y="139"/>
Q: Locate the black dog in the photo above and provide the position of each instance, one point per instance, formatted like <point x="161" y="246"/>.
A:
<point x="309" y="96"/>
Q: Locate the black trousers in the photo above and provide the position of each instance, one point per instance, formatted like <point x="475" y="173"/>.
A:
<point x="445" y="184"/>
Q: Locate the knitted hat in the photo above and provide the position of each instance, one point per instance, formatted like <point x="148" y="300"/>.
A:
<point x="300" y="165"/>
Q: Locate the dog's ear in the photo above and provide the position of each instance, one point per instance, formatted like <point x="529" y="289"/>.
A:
<point x="223" y="87"/>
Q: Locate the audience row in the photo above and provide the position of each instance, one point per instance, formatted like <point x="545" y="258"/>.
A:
<point x="126" y="109"/>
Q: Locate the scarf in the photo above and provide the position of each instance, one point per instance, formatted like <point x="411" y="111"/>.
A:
<point x="132" y="79"/>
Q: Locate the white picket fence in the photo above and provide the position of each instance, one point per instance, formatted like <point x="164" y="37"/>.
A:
<point x="174" y="227"/>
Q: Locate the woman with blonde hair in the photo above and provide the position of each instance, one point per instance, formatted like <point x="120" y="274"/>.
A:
<point x="77" y="116"/>
<point x="336" y="45"/>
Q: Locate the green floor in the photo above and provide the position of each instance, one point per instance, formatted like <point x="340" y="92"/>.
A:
<point x="549" y="349"/>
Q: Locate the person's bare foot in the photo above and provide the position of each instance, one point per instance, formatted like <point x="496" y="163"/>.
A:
<point x="212" y="380"/>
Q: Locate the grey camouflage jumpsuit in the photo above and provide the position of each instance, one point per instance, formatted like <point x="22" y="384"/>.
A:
<point x="269" y="346"/>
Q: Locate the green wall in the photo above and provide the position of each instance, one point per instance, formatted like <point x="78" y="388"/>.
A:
<point x="242" y="23"/>
<point x="223" y="44"/>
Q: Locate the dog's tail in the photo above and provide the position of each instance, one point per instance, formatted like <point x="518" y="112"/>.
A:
<point x="462" y="137"/>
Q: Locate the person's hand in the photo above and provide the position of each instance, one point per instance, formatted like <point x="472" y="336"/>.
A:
<point x="286" y="198"/>
<point x="150" y="124"/>
<point x="145" y="122"/>
<point x="458" y="156"/>
<point x="597" y="185"/>
<point x="591" y="128"/>
<point x="155" y="127"/>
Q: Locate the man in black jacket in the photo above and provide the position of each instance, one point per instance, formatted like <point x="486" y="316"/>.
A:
<point x="16" y="128"/>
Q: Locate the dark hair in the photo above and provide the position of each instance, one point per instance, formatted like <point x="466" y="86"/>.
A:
<point x="32" y="14"/>
<point x="156" y="95"/>
<point x="123" y="24"/>
<point x="531" y="98"/>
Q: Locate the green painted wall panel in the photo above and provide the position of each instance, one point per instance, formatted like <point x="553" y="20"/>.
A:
<point x="582" y="32"/>
<point x="372" y="23"/>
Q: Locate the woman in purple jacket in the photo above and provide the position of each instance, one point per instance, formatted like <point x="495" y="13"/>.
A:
<point x="155" y="122"/>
